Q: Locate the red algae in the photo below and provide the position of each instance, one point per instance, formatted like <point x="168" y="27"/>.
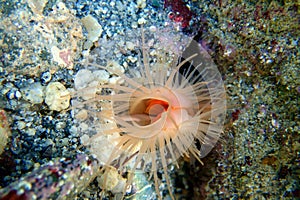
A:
<point x="180" y="12"/>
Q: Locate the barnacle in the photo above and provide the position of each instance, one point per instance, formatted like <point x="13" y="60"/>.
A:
<point x="161" y="113"/>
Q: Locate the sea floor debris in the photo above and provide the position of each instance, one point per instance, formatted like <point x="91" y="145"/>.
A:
<point x="255" y="46"/>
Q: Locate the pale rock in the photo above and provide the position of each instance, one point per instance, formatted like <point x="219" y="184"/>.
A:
<point x="82" y="115"/>
<point x="37" y="7"/>
<point x="130" y="46"/>
<point x="141" y="4"/>
<point x="115" y="68"/>
<point x="101" y="76"/>
<point x="93" y="28"/>
<point x="132" y="59"/>
<point x="115" y="80"/>
<point x="142" y="21"/>
<point x="90" y="91"/>
<point x="62" y="57"/>
<point x="83" y="127"/>
<point x="102" y="147"/>
<point x="85" y="139"/>
<point x="83" y="78"/>
<point x="57" y="96"/>
<point x="31" y="131"/>
<point x="34" y="93"/>
<point x="152" y="28"/>
<point x="111" y="180"/>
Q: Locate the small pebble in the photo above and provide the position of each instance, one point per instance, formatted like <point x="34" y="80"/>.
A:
<point x="141" y="21"/>
<point x="130" y="46"/>
<point x="132" y="59"/>
<point x="60" y="125"/>
<point x="152" y="28"/>
<point x="31" y="131"/>
<point x="46" y="77"/>
<point x="10" y="94"/>
<point x="18" y="94"/>
<point x="21" y="125"/>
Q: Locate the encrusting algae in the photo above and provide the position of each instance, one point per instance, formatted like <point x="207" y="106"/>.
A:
<point x="156" y="115"/>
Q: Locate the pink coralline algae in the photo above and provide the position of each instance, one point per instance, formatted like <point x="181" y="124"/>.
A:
<point x="180" y="12"/>
<point x="61" y="179"/>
